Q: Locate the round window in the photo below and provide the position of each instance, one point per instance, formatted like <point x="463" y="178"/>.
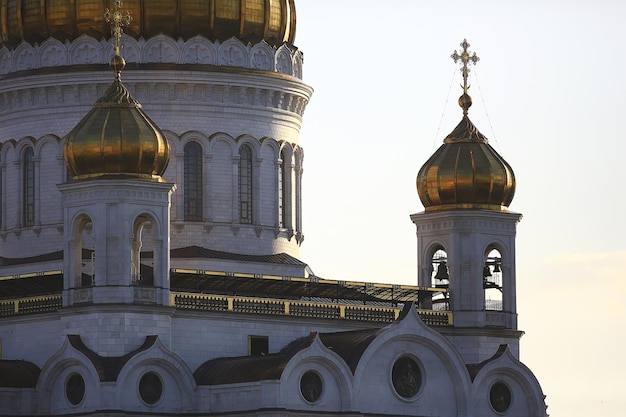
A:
<point x="75" y="388"/>
<point x="406" y="377"/>
<point x="311" y="386"/>
<point x="500" y="397"/>
<point x="150" y="388"/>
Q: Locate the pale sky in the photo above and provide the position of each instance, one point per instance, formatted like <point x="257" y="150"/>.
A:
<point x="549" y="92"/>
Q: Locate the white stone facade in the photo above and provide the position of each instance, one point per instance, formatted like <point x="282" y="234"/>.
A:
<point x="446" y="388"/>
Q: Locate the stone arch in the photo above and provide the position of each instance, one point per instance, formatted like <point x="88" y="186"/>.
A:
<point x="161" y="49"/>
<point x="178" y="384"/>
<point x="434" y="272"/>
<point x="250" y="140"/>
<point x="444" y="371"/>
<point x="527" y="396"/>
<point x="199" y="50"/>
<point x="146" y="234"/>
<point x="80" y="261"/>
<point x="337" y="380"/>
<point x="86" y="50"/>
<point x="52" y="53"/>
<point x="222" y="138"/>
<point x="51" y="385"/>
<point x="23" y="143"/>
<point x="44" y="140"/>
<point x="7" y="149"/>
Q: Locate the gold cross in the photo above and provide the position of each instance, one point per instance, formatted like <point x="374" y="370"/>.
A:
<point x="465" y="58"/>
<point x="118" y="20"/>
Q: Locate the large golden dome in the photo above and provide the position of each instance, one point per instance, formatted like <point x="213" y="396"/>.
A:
<point x="251" y="21"/>
<point x="466" y="173"/>
<point x="116" y="138"/>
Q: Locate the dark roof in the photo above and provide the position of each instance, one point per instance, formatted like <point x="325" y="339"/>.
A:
<point x="348" y="345"/>
<point x="108" y="367"/>
<point x="46" y="257"/>
<point x="18" y="374"/>
<point x="199" y="252"/>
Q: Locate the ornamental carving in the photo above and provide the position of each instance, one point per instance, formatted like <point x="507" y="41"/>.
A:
<point x="158" y="49"/>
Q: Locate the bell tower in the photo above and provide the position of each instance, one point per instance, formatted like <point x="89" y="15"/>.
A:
<point x="466" y="235"/>
<point x="116" y="205"/>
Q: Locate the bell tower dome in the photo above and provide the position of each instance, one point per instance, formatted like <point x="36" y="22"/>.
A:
<point x="466" y="234"/>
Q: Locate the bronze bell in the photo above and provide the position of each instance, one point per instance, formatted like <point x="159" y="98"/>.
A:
<point x="442" y="271"/>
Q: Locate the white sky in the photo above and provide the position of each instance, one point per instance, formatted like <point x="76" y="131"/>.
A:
<point x="552" y="77"/>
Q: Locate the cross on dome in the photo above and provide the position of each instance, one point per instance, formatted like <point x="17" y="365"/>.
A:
<point x="118" y="20"/>
<point x="465" y="101"/>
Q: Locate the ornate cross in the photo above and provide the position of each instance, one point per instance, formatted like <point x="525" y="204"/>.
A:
<point x="118" y="20"/>
<point x="465" y="58"/>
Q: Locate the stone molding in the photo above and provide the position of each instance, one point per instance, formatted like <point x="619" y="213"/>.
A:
<point x="203" y="89"/>
<point x="158" y="49"/>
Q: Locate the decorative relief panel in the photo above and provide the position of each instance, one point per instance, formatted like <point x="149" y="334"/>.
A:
<point x="52" y="53"/>
<point x="86" y="50"/>
<point x="158" y="49"/>
<point x="199" y="51"/>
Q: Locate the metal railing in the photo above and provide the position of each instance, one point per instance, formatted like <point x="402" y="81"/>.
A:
<point x="31" y="305"/>
<point x="252" y="305"/>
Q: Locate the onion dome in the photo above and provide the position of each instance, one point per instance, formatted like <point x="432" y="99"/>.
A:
<point x="466" y="172"/>
<point x="251" y="21"/>
<point x="116" y="138"/>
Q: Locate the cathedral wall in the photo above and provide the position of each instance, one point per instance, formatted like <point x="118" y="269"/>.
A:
<point x="194" y="337"/>
<point x="218" y="109"/>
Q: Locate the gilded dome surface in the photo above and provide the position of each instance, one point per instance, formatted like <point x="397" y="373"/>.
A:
<point x="466" y="173"/>
<point x="116" y="138"/>
<point x="251" y="21"/>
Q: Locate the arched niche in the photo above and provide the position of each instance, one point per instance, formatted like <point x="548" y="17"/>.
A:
<point x="493" y="282"/>
<point x="144" y="251"/>
<point x="82" y="273"/>
<point x="438" y="276"/>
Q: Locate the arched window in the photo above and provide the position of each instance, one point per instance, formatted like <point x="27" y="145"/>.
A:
<point x="192" y="182"/>
<point x="283" y="188"/>
<point x="245" y="184"/>
<point x="28" y="208"/>
<point x="492" y="280"/>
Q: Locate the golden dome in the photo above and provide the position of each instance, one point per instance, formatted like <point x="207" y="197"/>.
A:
<point x="251" y="21"/>
<point x="466" y="173"/>
<point x="116" y="138"/>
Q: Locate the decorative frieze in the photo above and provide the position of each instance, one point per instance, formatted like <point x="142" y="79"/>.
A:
<point x="158" y="49"/>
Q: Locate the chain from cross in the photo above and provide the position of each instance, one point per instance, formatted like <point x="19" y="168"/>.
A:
<point x="118" y="19"/>
<point x="465" y="59"/>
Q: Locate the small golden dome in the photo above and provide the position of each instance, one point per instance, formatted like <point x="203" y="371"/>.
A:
<point x="466" y="173"/>
<point x="251" y="21"/>
<point x="116" y="138"/>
